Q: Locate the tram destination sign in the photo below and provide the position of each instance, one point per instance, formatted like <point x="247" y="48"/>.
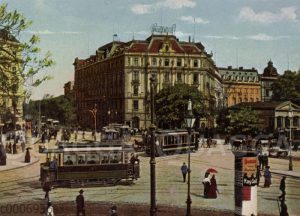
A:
<point x="163" y="29"/>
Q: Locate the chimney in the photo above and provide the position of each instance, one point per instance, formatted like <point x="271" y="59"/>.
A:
<point x="230" y="67"/>
<point x="240" y="68"/>
<point x="189" y="39"/>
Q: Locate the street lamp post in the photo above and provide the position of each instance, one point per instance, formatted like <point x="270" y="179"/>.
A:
<point x="290" y="144"/>
<point x="189" y="120"/>
<point x="94" y="113"/>
<point x="152" y="150"/>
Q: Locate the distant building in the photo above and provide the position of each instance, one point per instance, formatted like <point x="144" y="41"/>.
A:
<point x="274" y="115"/>
<point x="69" y="90"/>
<point x="116" y="78"/>
<point x="267" y="78"/>
<point x="240" y="85"/>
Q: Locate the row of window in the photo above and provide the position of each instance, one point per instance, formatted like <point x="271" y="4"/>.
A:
<point x="240" y="100"/>
<point x="167" y="75"/>
<point x="167" y="62"/>
<point x="242" y="78"/>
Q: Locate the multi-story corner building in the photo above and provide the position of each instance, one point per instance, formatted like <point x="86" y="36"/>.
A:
<point x="11" y="88"/>
<point x="240" y="85"/>
<point x="116" y="78"/>
<point x="267" y="78"/>
<point x="69" y="90"/>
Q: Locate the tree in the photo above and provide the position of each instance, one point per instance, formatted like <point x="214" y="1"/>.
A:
<point x="171" y="105"/>
<point x="58" y="108"/>
<point x="287" y="87"/>
<point x="20" y="61"/>
<point x="223" y="119"/>
<point x="244" y="120"/>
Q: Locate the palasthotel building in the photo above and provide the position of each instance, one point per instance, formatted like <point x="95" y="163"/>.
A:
<point x="116" y="78"/>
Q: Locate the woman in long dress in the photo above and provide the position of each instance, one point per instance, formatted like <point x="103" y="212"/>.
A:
<point x="268" y="176"/>
<point x="213" y="189"/>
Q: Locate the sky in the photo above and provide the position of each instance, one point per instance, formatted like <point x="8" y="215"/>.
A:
<point x="243" y="33"/>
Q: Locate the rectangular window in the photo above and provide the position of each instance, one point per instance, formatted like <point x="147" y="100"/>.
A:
<point x="195" y="63"/>
<point x="167" y="77"/>
<point x="167" y="62"/>
<point x="136" y="90"/>
<point x="179" y="77"/>
<point x="128" y="61"/>
<point x="179" y="62"/>
<point x="195" y="78"/>
<point x="267" y="93"/>
<point x="136" y="76"/>
<point x="154" y="61"/>
<point x="136" y="105"/>
<point x="136" y="61"/>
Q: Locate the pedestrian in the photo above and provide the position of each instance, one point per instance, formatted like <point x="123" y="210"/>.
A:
<point x="14" y="148"/>
<point x="213" y="189"/>
<point x="258" y="175"/>
<point x="113" y="211"/>
<point x="206" y="184"/>
<point x="27" y="156"/>
<point x="83" y="133"/>
<point x="283" y="209"/>
<point x="49" y="211"/>
<point x="47" y="187"/>
<point x="76" y="136"/>
<point x="80" y="203"/>
<point x="184" y="170"/>
<point x="268" y="177"/>
<point x="260" y="160"/>
<point x="282" y="188"/>
<point x="23" y="146"/>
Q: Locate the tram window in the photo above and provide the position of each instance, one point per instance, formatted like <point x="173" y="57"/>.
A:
<point x="92" y="158"/>
<point x="104" y="158"/>
<point x="115" y="157"/>
<point x="69" y="159"/>
<point x="81" y="159"/>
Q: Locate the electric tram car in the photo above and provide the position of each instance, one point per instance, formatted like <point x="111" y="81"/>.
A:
<point x="173" y="142"/>
<point x="91" y="163"/>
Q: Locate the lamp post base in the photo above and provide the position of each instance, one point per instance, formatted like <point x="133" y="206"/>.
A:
<point x="188" y="206"/>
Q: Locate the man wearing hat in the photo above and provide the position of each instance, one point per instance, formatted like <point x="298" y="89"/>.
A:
<point x="80" y="203"/>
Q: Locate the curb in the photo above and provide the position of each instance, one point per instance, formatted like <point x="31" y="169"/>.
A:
<point x="14" y="168"/>
<point x="284" y="174"/>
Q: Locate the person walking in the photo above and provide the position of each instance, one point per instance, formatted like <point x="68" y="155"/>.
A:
<point x="213" y="189"/>
<point x="268" y="177"/>
<point x="49" y="210"/>
<point x="27" y="156"/>
<point x="258" y="175"/>
<point x="283" y="209"/>
<point x="206" y="184"/>
<point x="47" y="187"/>
<point x="282" y="188"/>
<point x="184" y="170"/>
<point x="80" y="203"/>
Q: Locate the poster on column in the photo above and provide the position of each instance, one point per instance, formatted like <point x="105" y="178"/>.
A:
<point x="249" y="166"/>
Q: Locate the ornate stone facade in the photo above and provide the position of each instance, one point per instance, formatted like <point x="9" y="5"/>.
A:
<point x="117" y="78"/>
<point x="240" y="85"/>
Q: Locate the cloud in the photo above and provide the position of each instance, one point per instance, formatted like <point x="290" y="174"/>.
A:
<point x="191" y="19"/>
<point x="140" y="9"/>
<point x="143" y="32"/>
<point x="285" y="14"/>
<point x="265" y="37"/>
<point x="181" y="34"/>
<point x="230" y="37"/>
<point x="47" y="32"/>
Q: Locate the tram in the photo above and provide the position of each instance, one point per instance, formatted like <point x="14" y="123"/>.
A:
<point x="93" y="163"/>
<point x="173" y="142"/>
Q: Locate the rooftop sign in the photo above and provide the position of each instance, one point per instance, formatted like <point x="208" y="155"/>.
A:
<point x="163" y="29"/>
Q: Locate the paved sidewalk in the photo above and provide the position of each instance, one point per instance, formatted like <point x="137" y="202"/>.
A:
<point x="14" y="161"/>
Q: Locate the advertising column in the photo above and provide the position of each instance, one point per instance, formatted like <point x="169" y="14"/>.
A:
<point x="245" y="188"/>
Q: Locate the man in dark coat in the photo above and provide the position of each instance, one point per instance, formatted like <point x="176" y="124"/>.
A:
<point x="184" y="170"/>
<point x="80" y="203"/>
<point x="282" y="188"/>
